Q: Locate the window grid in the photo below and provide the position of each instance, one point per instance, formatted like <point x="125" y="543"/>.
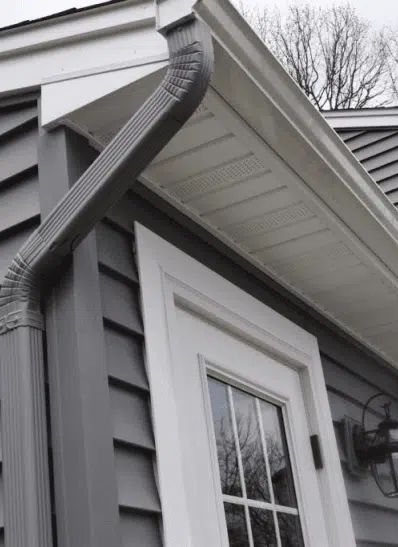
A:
<point x="265" y="455"/>
<point x="260" y="505"/>
<point x="240" y="465"/>
<point x="244" y="501"/>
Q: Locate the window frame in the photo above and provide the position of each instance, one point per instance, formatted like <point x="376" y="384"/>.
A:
<point x="216" y="372"/>
<point x="167" y="275"/>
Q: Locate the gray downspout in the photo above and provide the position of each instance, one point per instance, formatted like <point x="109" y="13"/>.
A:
<point x="27" y="518"/>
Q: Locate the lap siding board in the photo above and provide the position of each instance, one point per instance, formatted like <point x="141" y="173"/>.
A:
<point x="134" y="447"/>
<point x="19" y="193"/>
<point x="351" y="374"/>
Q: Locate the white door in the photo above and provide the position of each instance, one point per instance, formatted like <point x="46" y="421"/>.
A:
<point x="236" y="392"/>
<point x="248" y="466"/>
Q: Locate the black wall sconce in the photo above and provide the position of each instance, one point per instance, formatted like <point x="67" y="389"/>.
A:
<point x="374" y="449"/>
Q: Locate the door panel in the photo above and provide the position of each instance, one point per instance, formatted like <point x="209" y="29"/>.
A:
<point x="231" y="393"/>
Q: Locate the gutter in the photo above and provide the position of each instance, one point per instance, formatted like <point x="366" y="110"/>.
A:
<point x="27" y="514"/>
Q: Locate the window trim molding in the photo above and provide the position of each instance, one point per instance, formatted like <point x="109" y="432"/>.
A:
<point x="167" y="275"/>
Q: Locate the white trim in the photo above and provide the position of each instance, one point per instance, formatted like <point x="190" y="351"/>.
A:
<point x="170" y="11"/>
<point x="168" y="275"/>
<point x="161" y="59"/>
<point x="72" y="27"/>
<point x="334" y="175"/>
<point x="363" y="118"/>
<point x="110" y="37"/>
<point x="83" y="90"/>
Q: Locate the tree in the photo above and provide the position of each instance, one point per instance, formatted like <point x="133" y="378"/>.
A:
<point x="333" y="54"/>
<point x="392" y="44"/>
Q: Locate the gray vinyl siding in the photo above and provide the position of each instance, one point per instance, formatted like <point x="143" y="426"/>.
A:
<point x="374" y="516"/>
<point x="377" y="150"/>
<point x="19" y="192"/>
<point x="19" y="188"/>
<point x="352" y="374"/>
<point x="133" y="440"/>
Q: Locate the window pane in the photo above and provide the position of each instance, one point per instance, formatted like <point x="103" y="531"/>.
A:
<point x="236" y="525"/>
<point x="254" y="468"/>
<point x="281" y="473"/>
<point x="290" y="530"/>
<point x="226" y="449"/>
<point x="263" y="528"/>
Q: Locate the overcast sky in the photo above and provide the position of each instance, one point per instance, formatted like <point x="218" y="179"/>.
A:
<point x="11" y="11"/>
<point x="380" y="12"/>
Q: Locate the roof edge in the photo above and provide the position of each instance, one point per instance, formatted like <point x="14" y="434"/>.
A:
<point x="58" y="15"/>
<point x="71" y="25"/>
<point x="365" y="118"/>
<point x="358" y="192"/>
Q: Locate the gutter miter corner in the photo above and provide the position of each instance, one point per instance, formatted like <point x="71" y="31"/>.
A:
<point x="23" y="407"/>
<point x="104" y="183"/>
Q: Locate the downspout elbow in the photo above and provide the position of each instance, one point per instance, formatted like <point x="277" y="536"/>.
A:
<point x="20" y="297"/>
<point x="113" y="172"/>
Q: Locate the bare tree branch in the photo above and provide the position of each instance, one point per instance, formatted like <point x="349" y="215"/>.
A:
<point x="334" y="55"/>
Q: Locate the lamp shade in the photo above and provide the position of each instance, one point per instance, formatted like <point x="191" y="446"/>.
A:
<point x="384" y="468"/>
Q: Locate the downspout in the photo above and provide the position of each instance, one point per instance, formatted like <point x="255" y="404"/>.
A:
<point x="27" y="518"/>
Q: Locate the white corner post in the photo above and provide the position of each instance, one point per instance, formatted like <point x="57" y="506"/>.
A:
<point x="27" y="511"/>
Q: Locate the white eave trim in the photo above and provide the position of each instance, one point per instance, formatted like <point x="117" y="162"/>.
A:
<point x="353" y="196"/>
<point x="68" y="28"/>
<point x="372" y="118"/>
<point x="109" y="37"/>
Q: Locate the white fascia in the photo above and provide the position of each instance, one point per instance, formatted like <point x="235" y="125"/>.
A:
<point x="333" y="176"/>
<point x="77" y="58"/>
<point x="365" y="118"/>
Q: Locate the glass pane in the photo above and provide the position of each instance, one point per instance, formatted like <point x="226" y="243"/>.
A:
<point x="226" y="449"/>
<point x="290" y="530"/>
<point x="278" y="457"/>
<point x="263" y="528"/>
<point x="394" y="435"/>
<point x="236" y="525"/>
<point x="394" y="459"/>
<point x="254" y="468"/>
<point x="385" y="476"/>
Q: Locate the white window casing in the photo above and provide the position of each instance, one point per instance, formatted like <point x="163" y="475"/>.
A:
<point x="170" y="278"/>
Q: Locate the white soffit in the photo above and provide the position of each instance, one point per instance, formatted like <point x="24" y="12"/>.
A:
<point x="101" y="119"/>
<point x="85" y="90"/>
<point x="260" y="169"/>
<point x="217" y="173"/>
<point x="244" y="171"/>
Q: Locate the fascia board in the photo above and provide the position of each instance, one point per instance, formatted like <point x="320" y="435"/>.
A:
<point x="342" y="184"/>
<point x="92" y="42"/>
<point x="58" y="31"/>
<point x="372" y="119"/>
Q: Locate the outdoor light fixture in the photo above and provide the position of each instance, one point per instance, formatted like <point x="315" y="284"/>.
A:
<point x="375" y="449"/>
